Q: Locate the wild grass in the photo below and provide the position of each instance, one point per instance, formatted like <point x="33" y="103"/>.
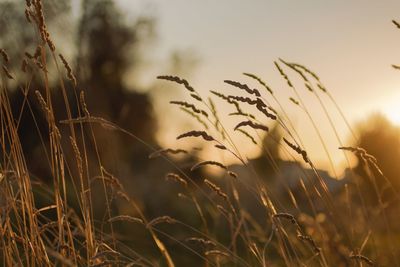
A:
<point x="237" y="217"/>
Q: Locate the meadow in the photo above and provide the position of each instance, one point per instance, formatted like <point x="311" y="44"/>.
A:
<point x="68" y="196"/>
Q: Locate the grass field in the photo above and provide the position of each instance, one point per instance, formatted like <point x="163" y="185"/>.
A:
<point x="277" y="210"/>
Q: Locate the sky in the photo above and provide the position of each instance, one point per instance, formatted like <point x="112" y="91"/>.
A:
<point x="350" y="44"/>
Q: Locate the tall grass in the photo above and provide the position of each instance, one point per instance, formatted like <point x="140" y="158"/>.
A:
<point x="231" y="218"/>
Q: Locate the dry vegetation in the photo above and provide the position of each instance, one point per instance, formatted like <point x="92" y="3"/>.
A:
<point x="229" y="220"/>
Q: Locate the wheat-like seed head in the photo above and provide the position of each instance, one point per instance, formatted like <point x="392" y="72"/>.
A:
<point x="252" y="125"/>
<point x="7" y="73"/>
<point x="125" y="218"/>
<point x="176" y="178"/>
<point x="178" y="80"/>
<point x="70" y="74"/>
<point x="244" y="87"/>
<point x="4" y="54"/>
<point x="202" y="134"/>
<point x="189" y="106"/>
<point x="362" y="258"/>
<point x="208" y="162"/>
<point x="162" y="219"/>
<point x="201" y="241"/>
<point x="216" y="189"/>
<point x="260" y="81"/>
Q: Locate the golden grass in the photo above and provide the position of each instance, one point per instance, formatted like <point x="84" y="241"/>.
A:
<point x="236" y="222"/>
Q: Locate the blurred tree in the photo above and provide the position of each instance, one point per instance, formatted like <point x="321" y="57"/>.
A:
<point x="107" y="47"/>
<point x="16" y="37"/>
<point x="380" y="138"/>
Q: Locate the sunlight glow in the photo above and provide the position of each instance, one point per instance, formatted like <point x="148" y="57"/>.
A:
<point x="392" y="109"/>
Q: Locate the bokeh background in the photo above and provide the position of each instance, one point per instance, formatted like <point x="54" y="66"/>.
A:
<point x="351" y="45"/>
<point x="117" y="48"/>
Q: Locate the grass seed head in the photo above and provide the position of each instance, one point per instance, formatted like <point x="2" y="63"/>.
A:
<point x="4" y="54"/>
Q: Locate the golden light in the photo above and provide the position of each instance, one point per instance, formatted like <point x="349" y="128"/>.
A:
<point x="391" y="108"/>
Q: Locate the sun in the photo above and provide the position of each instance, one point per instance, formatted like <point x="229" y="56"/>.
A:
<point x="392" y="109"/>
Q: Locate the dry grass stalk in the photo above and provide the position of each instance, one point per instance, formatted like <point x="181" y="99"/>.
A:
<point x="83" y="103"/>
<point x="201" y="241"/>
<point x="287" y="216"/>
<point x="283" y="74"/>
<point x="70" y="74"/>
<point x="322" y="88"/>
<point x="7" y="73"/>
<point x="166" y="151"/>
<point x="47" y="226"/>
<point x="202" y="134"/>
<point x="24" y="65"/>
<point x="260" y="81"/>
<point x="28" y="55"/>
<point x="362" y="153"/>
<point x="43" y="104"/>
<point x="185" y="197"/>
<point x="125" y="218"/>
<point x="396" y="23"/>
<point x="252" y="125"/>
<point x="189" y="106"/>
<point x="50" y="44"/>
<point x="218" y="253"/>
<point x="216" y="189"/>
<point x="260" y="105"/>
<point x="58" y="256"/>
<point x="243" y="87"/>
<point x="50" y="207"/>
<point x="310" y="241"/>
<point x="227" y="99"/>
<point x="248" y="115"/>
<point x="362" y="258"/>
<point x="178" y="80"/>
<point x="232" y="174"/>
<point x="25" y="236"/>
<point x="38" y="52"/>
<point x="294" y="101"/>
<point x="308" y="86"/>
<point x="107" y="263"/>
<point x="28" y="16"/>
<point x="273" y="110"/>
<point x="252" y="139"/>
<point x="105" y="253"/>
<point x="196" y="116"/>
<point x="197" y="97"/>
<point x="217" y="123"/>
<point x="123" y="195"/>
<point x="110" y="178"/>
<point x="162" y="219"/>
<point x="396" y="67"/>
<point x="4" y="54"/>
<point x="176" y="178"/>
<point x="246" y="99"/>
<point x="40" y="65"/>
<point x="296" y="148"/>
<point x="295" y="68"/>
<point x="40" y="19"/>
<point x="307" y="70"/>
<point x="92" y="119"/>
<point x="222" y="147"/>
<point x="208" y="162"/>
<point x="77" y="155"/>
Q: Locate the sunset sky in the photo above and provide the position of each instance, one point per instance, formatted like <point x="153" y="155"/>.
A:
<point x="350" y="44"/>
